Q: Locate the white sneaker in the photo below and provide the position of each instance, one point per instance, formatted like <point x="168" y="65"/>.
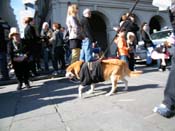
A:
<point x="55" y="73"/>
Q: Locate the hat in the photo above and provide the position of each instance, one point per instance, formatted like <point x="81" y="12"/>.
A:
<point x="13" y="30"/>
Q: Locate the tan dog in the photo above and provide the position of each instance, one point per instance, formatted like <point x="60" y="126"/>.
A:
<point x="113" y="69"/>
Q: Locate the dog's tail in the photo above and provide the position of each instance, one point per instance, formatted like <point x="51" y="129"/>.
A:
<point x="132" y="73"/>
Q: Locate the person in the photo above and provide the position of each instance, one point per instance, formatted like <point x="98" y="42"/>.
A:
<point x="121" y="44"/>
<point x="148" y="44"/>
<point x="19" y="54"/>
<point x="3" y="54"/>
<point x="130" y="25"/>
<point x="96" y="51"/>
<point x="66" y="45"/>
<point x="57" y="49"/>
<point x="46" y="34"/>
<point x="130" y="44"/>
<point x="167" y="108"/>
<point x="160" y="54"/>
<point x="171" y="12"/>
<point x="86" y="50"/>
<point x="75" y="32"/>
<point x="31" y="37"/>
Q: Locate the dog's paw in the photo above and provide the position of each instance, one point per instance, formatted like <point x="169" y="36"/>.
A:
<point x="89" y="92"/>
<point x="108" y="94"/>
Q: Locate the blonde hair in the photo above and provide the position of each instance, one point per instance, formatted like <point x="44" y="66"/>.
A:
<point x="72" y="10"/>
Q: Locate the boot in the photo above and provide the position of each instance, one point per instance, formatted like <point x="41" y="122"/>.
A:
<point x="27" y="85"/>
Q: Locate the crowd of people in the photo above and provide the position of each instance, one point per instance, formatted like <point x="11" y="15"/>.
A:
<point x="50" y="45"/>
<point x="25" y="54"/>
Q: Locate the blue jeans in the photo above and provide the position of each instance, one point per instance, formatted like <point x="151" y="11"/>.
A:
<point x="86" y="50"/>
<point x="124" y="58"/>
<point x="46" y="56"/>
<point x="148" y="57"/>
<point x="3" y="65"/>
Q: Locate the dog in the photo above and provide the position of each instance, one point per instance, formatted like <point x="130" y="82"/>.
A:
<point x="112" y="69"/>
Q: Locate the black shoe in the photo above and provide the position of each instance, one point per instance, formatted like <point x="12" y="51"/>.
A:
<point x="27" y="85"/>
<point x="19" y="87"/>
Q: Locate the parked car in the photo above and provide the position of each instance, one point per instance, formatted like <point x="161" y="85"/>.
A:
<point x="158" y="37"/>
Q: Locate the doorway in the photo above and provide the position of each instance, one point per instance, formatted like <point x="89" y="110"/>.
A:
<point x="99" y="28"/>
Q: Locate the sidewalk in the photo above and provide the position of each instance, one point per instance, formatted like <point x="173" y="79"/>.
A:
<point x="52" y="105"/>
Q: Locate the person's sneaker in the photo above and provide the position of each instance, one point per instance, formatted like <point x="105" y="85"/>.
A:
<point x="161" y="70"/>
<point x="163" y="111"/>
<point x="55" y="73"/>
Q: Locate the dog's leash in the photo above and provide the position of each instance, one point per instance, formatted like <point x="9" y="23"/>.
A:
<point x="130" y="12"/>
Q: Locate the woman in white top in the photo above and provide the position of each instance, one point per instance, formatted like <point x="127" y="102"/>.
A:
<point x="75" y="31"/>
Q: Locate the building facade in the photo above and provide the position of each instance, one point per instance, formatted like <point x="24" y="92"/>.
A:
<point x="105" y="15"/>
<point x="7" y="15"/>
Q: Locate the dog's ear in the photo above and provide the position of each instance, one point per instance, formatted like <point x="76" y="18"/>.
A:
<point x="75" y="68"/>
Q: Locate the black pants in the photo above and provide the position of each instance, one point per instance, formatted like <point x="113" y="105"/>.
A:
<point x="169" y="93"/>
<point x="58" y="57"/>
<point x="131" y="61"/>
<point x="21" y="71"/>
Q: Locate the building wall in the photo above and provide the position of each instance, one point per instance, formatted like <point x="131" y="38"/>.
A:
<point x="110" y="11"/>
<point x="6" y="12"/>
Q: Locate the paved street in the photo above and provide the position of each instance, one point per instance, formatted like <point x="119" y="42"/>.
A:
<point x="52" y="105"/>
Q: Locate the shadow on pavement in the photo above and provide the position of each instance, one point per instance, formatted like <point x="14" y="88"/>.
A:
<point x="107" y="88"/>
<point x="26" y="100"/>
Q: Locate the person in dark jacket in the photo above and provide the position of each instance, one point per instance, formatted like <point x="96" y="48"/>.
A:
<point x="3" y="54"/>
<point x="57" y="49"/>
<point x="19" y="54"/>
<point x="171" y="12"/>
<point x="130" y="25"/>
<point x="86" y="50"/>
<point x="31" y="37"/>
<point x="147" y="41"/>
<point x="167" y="108"/>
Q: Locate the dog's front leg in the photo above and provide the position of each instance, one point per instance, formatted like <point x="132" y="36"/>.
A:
<point x="80" y="89"/>
<point x="92" y="89"/>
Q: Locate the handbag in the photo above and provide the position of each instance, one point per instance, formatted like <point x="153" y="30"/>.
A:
<point x="19" y="58"/>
